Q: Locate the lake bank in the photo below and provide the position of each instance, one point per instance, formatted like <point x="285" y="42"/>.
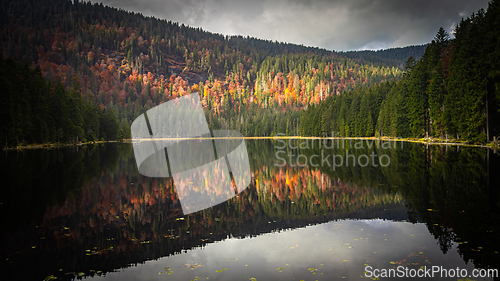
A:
<point x="59" y="145"/>
<point x="426" y="141"/>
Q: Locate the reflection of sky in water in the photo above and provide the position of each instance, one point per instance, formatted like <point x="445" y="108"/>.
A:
<point x="335" y="249"/>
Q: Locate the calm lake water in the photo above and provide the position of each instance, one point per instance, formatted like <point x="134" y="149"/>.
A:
<point x="86" y="213"/>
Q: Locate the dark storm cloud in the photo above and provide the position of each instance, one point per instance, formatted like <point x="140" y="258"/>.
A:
<point x="330" y="24"/>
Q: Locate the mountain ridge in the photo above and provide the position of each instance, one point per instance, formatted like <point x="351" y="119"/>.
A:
<point x="129" y="63"/>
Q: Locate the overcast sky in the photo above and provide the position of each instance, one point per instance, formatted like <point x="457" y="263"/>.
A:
<point x="330" y="24"/>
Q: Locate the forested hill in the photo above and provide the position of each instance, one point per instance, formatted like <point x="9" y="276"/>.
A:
<point x="128" y="63"/>
<point x="392" y="56"/>
<point x="452" y="92"/>
<point x="34" y="110"/>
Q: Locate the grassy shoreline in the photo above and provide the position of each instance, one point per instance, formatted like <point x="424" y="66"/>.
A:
<point x="58" y="145"/>
<point x="426" y="141"/>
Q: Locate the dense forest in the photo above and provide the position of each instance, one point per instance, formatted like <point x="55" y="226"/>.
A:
<point x="392" y="56"/>
<point x="452" y="91"/>
<point x="128" y="63"/>
<point x="34" y="110"/>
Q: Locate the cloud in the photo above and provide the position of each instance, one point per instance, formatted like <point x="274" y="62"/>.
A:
<point x="330" y="24"/>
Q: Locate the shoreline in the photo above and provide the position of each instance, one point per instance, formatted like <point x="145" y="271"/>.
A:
<point x="426" y="141"/>
<point x="59" y="145"/>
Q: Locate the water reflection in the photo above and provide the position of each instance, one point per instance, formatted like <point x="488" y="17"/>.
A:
<point x="90" y="212"/>
<point x="329" y="251"/>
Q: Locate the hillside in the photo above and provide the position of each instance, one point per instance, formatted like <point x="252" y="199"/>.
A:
<point x="34" y="110"/>
<point x="129" y="63"/>
<point x="392" y="56"/>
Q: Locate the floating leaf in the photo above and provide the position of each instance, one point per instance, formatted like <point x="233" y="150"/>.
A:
<point x="312" y="269"/>
<point x="221" y="270"/>
<point x="168" y="270"/>
<point x="392" y="262"/>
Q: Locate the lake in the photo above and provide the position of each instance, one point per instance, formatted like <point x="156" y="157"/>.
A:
<point x="314" y="210"/>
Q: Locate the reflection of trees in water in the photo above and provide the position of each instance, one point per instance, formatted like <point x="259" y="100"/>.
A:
<point x="32" y="182"/>
<point x="456" y="201"/>
<point x="146" y="208"/>
<point x="448" y="188"/>
<point x="121" y="217"/>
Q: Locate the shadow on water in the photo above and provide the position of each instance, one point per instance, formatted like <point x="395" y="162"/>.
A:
<point x="87" y="211"/>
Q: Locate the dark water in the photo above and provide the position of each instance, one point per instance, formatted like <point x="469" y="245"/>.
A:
<point x="87" y="213"/>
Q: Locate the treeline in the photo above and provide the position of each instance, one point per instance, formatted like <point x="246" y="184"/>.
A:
<point x="453" y="91"/>
<point x="350" y="114"/>
<point x="34" y="110"/>
<point x="392" y="56"/>
<point x="255" y="121"/>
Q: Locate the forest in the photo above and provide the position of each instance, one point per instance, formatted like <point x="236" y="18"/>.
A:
<point x="34" y="110"/>
<point x="451" y="92"/>
<point x="126" y="63"/>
